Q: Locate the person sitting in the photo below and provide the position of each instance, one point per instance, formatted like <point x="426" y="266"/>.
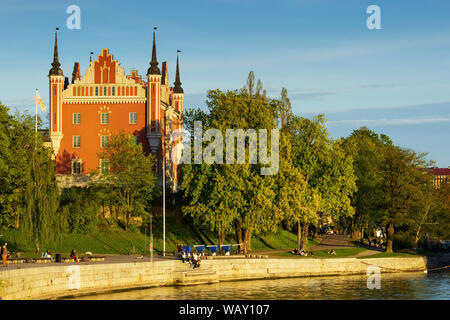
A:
<point x="184" y="257"/>
<point x="48" y="254"/>
<point x="179" y="248"/>
<point x="303" y="252"/>
<point x="310" y="253"/>
<point x="332" y="252"/>
<point x="73" y="254"/>
<point x="295" y="251"/>
<point x="195" y="261"/>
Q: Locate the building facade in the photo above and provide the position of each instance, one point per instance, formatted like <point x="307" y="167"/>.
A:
<point x="83" y="114"/>
<point x="440" y="175"/>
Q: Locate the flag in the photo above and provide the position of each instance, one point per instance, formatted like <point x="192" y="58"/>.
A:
<point x="40" y="102"/>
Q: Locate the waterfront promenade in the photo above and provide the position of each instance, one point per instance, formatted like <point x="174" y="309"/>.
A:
<point x="62" y="280"/>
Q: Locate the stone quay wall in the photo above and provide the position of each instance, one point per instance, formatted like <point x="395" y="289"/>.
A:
<point x="56" y="281"/>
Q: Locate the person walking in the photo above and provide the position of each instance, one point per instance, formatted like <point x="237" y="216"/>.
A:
<point x="5" y="255"/>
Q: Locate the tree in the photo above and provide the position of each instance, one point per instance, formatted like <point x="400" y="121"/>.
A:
<point x="130" y="178"/>
<point x="224" y="196"/>
<point x="401" y="182"/>
<point x="29" y="195"/>
<point x="285" y="110"/>
<point x="328" y="173"/>
<point x="365" y="148"/>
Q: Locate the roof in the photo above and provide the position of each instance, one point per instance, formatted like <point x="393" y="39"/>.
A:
<point x="440" y="171"/>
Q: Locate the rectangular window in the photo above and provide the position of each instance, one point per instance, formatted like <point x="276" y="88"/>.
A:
<point x="105" y="118"/>
<point x="77" y="118"/>
<point x="133" y="117"/>
<point x="134" y="139"/>
<point x="113" y="91"/>
<point x="104" y="91"/>
<point x="76" y="141"/>
<point x="104" y="166"/>
<point x="76" y="166"/>
<point x="96" y="91"/>
<point x="104" y="141"/>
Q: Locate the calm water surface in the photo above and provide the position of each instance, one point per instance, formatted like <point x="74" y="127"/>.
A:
<point x="393" y="286"/>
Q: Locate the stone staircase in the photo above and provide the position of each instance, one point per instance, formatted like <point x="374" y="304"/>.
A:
<point x="188" y="276"/>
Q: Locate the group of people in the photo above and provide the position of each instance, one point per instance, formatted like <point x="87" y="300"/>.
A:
<point x="301" y="252"/>
<point x="186" y="257"/>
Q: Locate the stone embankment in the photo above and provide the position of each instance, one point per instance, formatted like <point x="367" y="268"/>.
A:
<point x="58" y="281"/>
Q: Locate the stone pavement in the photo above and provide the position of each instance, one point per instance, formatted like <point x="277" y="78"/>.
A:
<point x="109" y="258"/>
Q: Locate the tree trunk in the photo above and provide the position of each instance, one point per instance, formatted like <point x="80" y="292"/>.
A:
<point x="304" y="242"/>
<point x="238" y="231"/>
<point x="36" y="242"/>
<point x="247" y="240"/>
<point x="316" y="232"/>
<point x="16" y="220"/>
<point x="416" y="242"/>
<point x="221" y="238"/>
<point x="299" y="234"/>
<point x="390" y="237"/>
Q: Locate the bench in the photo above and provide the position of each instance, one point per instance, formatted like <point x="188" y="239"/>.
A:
<point x="96" y="258"/>
<point x="43" y="260"/>
<point x="16" y="260"/>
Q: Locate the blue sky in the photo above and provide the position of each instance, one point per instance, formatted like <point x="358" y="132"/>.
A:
<point x="395" y="80"/>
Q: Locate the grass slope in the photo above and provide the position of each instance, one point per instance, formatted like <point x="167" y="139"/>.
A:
<point x="111" y="239"/>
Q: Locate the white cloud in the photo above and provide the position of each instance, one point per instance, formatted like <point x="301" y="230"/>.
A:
<point x="387" y="122"/>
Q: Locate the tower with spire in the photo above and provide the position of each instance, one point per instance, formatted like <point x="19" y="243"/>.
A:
<point x="56" y="83"/>
<point x="154" y="124"/>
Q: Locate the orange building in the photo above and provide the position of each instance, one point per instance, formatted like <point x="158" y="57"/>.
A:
<point x="85" y="113"/>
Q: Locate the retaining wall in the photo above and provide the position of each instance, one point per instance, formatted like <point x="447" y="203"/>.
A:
<point x="58" y="280"/>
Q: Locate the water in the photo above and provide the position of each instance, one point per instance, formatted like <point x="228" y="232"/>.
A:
<point x="393" y="286"/>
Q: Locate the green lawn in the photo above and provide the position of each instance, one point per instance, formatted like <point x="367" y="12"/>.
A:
<point x="111" y="239"/>
<point x="390" y="255"/>
<point x="340" y="253"/>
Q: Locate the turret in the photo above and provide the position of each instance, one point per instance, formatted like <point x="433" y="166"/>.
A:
<point x="154" y="124"/>
<point x="56" y="83"/>
<point x="178" y="92"/>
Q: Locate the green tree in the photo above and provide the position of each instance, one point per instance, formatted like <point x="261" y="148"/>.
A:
<point x="226" y="196"/>
<point x="328" y="172"/>
<point x="29" y="196"/>
<point x="402" y="177"/>
<point x="130" y="178"/>
<point x="365" y="147"/>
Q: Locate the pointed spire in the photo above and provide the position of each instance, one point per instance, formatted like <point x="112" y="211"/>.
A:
<point x="154" y="63"/>
<point x="177" y="88"/>
<point x="56" y="66"/>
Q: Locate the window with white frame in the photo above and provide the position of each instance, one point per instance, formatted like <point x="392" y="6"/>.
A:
<point x="105" y="118"/>
<point x="76" y="141"/>
<point x="104" y="141"/>
<point x="133" y="117"/>
<point x="77" y="166"/>
<point x="134" y="139"/>
<point x="77" y="118"/>
<point x="104" y="166"/>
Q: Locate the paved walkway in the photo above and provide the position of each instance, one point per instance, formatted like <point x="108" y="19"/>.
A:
<point x="109" y="258"/>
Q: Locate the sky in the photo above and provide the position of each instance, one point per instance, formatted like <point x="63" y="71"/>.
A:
<point x="394" y="80"/>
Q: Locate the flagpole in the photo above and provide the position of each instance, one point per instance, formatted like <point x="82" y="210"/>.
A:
<point x="35" y="98"/>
